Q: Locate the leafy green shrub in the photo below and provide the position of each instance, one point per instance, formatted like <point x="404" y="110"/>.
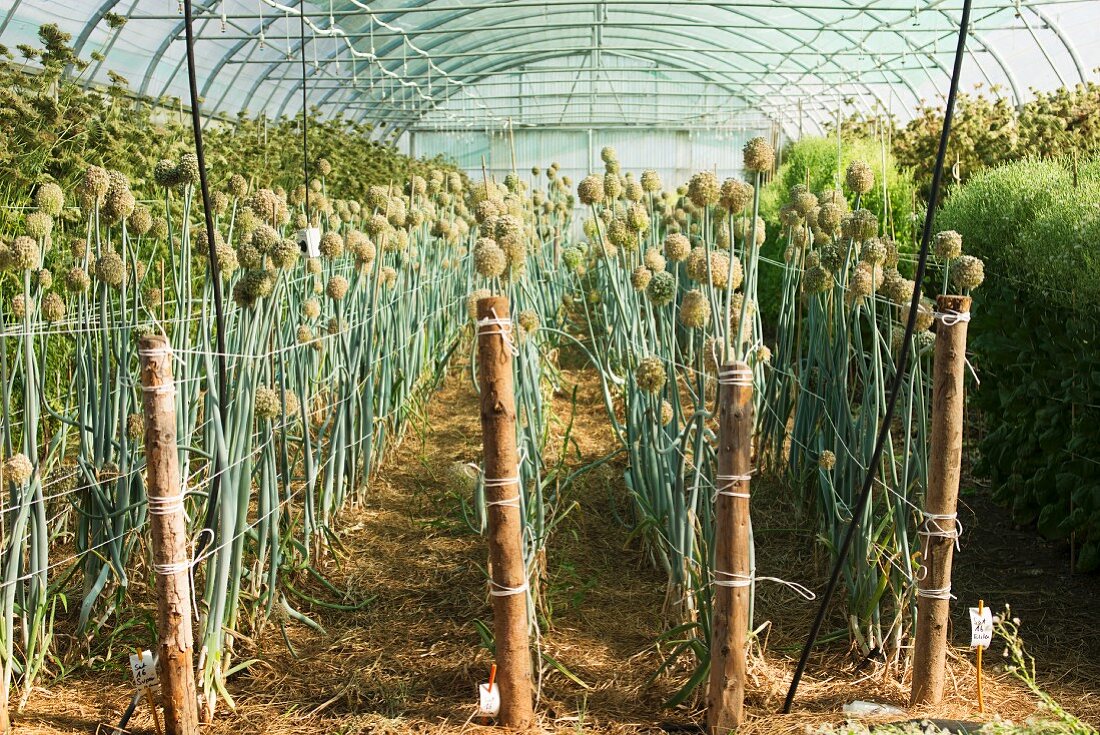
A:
<point x="1035" y="326"/>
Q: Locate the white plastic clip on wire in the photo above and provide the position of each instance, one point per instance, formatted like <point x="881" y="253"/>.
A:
<point x="503" y="327"/>
<point x="931" y="527"/>
<point x="734" y="376"/>
<point x="951" y="317"/>
<point x="727" y="482"/>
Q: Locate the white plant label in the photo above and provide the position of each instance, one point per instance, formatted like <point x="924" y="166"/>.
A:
<point x="981" y="627"/>
<point x="489" y="703"/>
<point x="144" y="670"/>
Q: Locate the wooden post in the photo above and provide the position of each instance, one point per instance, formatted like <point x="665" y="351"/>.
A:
<point x="169" y="533"/>
<point x="732" y="572"/>
<point x="939" y="527"/>
<point x="507" y="572"/>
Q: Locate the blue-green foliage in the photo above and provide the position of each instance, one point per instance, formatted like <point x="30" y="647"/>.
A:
<point x="1034" y="332"/>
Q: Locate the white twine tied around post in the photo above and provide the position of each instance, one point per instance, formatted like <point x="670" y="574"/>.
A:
<point x="186" y="565"/>
<point x="163" y="388"/>
<point x="736" y="579"/>
<point x="728" y="375"/>
<point x="931" y="528"/>
<point x="726" y="483"/>
<point x="512" y="502"/>
<point x="950" y="317"/>
<point x="497" y="325"/>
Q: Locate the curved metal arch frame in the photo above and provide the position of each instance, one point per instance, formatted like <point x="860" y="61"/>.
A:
<point x="446" y="17"/>
<point x="445" y="39"/>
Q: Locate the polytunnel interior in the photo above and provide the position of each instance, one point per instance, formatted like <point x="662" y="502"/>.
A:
<point x="449" y="77"/>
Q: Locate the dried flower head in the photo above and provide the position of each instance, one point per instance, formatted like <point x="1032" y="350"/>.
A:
<point x="759" y="155"/>
<point x="859" y="177"/>
<point x="948" y="245"/>
<point x="967" y="272"/>
<point x="695" y="310"/>
<point x="651" y="375"/>
<point x="662" y="288"/>
<point x="18" y="470"/>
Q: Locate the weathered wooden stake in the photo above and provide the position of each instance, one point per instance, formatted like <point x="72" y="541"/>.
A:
<point x="169" y="534"/>
<point x="941" y="500"/>
<point x="508" y="574"/>
<point x="732" y="572"/>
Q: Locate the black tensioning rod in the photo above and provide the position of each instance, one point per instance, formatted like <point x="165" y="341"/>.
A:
<point x="903" y="361"/>
<point x="215" y="274"/>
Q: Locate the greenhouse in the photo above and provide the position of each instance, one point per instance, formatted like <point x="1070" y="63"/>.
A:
<point x="595" y="367"/>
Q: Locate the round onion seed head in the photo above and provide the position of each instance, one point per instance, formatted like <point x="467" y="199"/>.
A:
<point x="829" y="216"/>
<point x="677" y="247"/>
<point x="528" y="320"/>
<point x="572" y="258"/>
<point x="23" y="254"/>
<point x="332" y="245"/>
<point x="896" y="288"/>
<point x="135" y="427"/>
<point x="967" y="272"/>
<point x="337" y="288"/>
<point x="95" y="184"/>
<point x="325" y="168"/>
<point x="859" y="177"/>
<point x="662" y="288"/>
<point x="39" y="225"/>
<point x="695" y="310"/>
<point x="608" y="154"/>
<point x="612" y="185"/>
<point x="389" y="276"/>
<point x="651" y="375"/>
<point x="861" y="284"/>
<point x="873" y="252"/>
<point x="948" y="245"/>
<point x="591" y="189"/>
<point x="654" y="260"/>
<point x="76" y="280"/>
<point x="666" y="413"/>
<point x="237" y="186"/>
<point x="189" y="170"/>
<point x="640" y="278"/>
<point x="826" y="460"/>
<point x="18" y="469"/>
<point x="166" y="174"/>
<point x="305" y="334"/>
<point x="703" y="189"/>
<point x="18" y="306"/>
<point x="490" y="260"/>
<point x="285" y="254"/>
<point x="50" y="198"/>
<point x="817" y="279"/>
<point x="637" y="218"/>
<point x="633" y="190"/>
<point x="802" y="199"/>
<point x="53" y="308"/>
<point x="109" y="269"/>
<point x="267" y="403"/>
<point x="651" y="181"/>
<point x="925" y="315"/>
<point x="44" y="278"/>
<point x="735" y="195"/>
<point x="311" y="308"/>
<point x="759" y="155"/>
<point x="153" y="297"/>
<point x="141" y="220"/>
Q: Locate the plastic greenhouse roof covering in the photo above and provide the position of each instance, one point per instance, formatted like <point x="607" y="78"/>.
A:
<point x="477" y="64"/>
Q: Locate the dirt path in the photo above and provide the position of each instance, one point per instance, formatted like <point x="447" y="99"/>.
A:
<point x="409" y="659"/>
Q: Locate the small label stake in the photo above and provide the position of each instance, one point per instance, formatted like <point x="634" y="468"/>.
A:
<point x="489" y="704"/>
<point x="981" y="627"/>
<point x="144" y="670"/>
